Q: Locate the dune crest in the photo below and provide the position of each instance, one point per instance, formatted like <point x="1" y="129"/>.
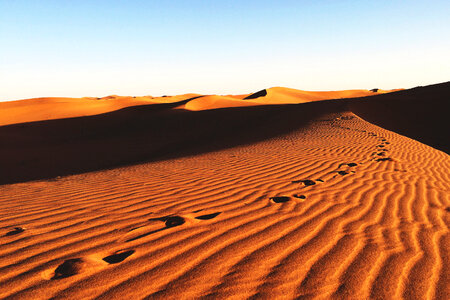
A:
<point x="40" y="109"/>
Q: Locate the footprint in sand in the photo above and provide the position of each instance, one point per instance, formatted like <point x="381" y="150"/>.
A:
<point x="174" y="221"/>
<point x="146" y="230"/>
<point x="15" y="231"/>
<point x="342" y="173"/>
<point x="70" y="267"/>
<point x="307" y="182"/>
<point x="280" y="199"/>
<point x="169" y="222"/>
<point x="384" y="159"/>
<point x="208" y="217"/>
<point x="300" y="196"/>
<point x="118" y="256"/>
<point x="348" y="164"/>
<point x="74" y="266"/>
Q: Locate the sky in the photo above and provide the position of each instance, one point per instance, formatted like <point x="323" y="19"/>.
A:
<point x="98" y="48"/>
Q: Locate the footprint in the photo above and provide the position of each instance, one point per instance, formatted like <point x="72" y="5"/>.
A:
<point x="384" y="159"/>
<point x="15" y="231"/>
<point x="174" y="221"/>
<point x="305" y="182"/>
<point x="208" y="217"/>
<point x="70" y="267"/>
<point x="348" y="164"/>
<point x="118" y="257"/>
<point x="300" y="196"/>
<point x="280" y="199"/>
<point x="342" y="173"/>
<point x="169" y="221"/>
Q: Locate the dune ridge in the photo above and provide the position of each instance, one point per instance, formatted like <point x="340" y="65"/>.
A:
<point x="40" y="109"/>
<point x="303" y="201"/>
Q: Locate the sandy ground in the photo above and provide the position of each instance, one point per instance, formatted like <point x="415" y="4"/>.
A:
<point x="227" y="198"/>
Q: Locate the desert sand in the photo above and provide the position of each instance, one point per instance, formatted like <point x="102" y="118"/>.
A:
<point x="280" y="194"/>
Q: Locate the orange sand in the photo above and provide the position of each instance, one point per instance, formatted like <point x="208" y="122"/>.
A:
<point x="40" y="109"/>
<point x="276" y="201"/>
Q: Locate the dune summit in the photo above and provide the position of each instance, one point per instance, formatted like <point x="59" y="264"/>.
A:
<point x="279" y="194"/>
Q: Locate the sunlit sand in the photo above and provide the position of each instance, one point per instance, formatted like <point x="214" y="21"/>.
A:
<point x="278" y="194"/>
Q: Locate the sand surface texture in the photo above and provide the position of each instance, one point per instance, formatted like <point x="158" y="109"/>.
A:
<point x="307" y="201"/>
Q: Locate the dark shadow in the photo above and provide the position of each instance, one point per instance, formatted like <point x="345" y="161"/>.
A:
<point x="169" y="221"/>
<point x="15" y="231"/>
<point x="306" y="182"/>
<point x="148" y="133"/>
<point x="280" y="199"/>
<point x="208" y="217"/>
<point x="261" y="93"/>
<point x="118" y="257"/>
<point x="348" y="164"/>
<point x="47" y="149"/>
<point x="384" y="159"/>
<point x="69" y="268"/>
<point x="420" y="113"/>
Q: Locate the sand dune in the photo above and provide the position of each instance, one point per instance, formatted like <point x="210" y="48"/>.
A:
<point x="40" y="109"/>
<point x="274" y="201"/>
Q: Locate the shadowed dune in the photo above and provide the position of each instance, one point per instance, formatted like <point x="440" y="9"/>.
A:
<point x="137" y="134"/>
<point x="40" y="109"/>
<point x="292" y="201"/>
<point x="51" y="148"/>
<point x="420" y="113"/>
<point x="261" y="93"/>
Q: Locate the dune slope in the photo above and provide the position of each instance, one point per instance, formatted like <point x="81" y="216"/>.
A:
<point x="275" y="202"/>
<point x="50" y="148"/>
<point x="420" y="113"/>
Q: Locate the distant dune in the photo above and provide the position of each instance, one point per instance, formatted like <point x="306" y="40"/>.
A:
<point x="277" y="194"/>
<point x="40" y="109"/>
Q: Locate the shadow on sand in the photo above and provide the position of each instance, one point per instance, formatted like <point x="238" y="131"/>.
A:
<point x="46" y="149"/>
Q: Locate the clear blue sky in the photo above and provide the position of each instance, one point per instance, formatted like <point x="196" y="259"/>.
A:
<point x="97" y="48"/>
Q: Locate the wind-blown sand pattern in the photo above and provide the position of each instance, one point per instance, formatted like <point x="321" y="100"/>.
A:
<point x="304" y="201"/>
